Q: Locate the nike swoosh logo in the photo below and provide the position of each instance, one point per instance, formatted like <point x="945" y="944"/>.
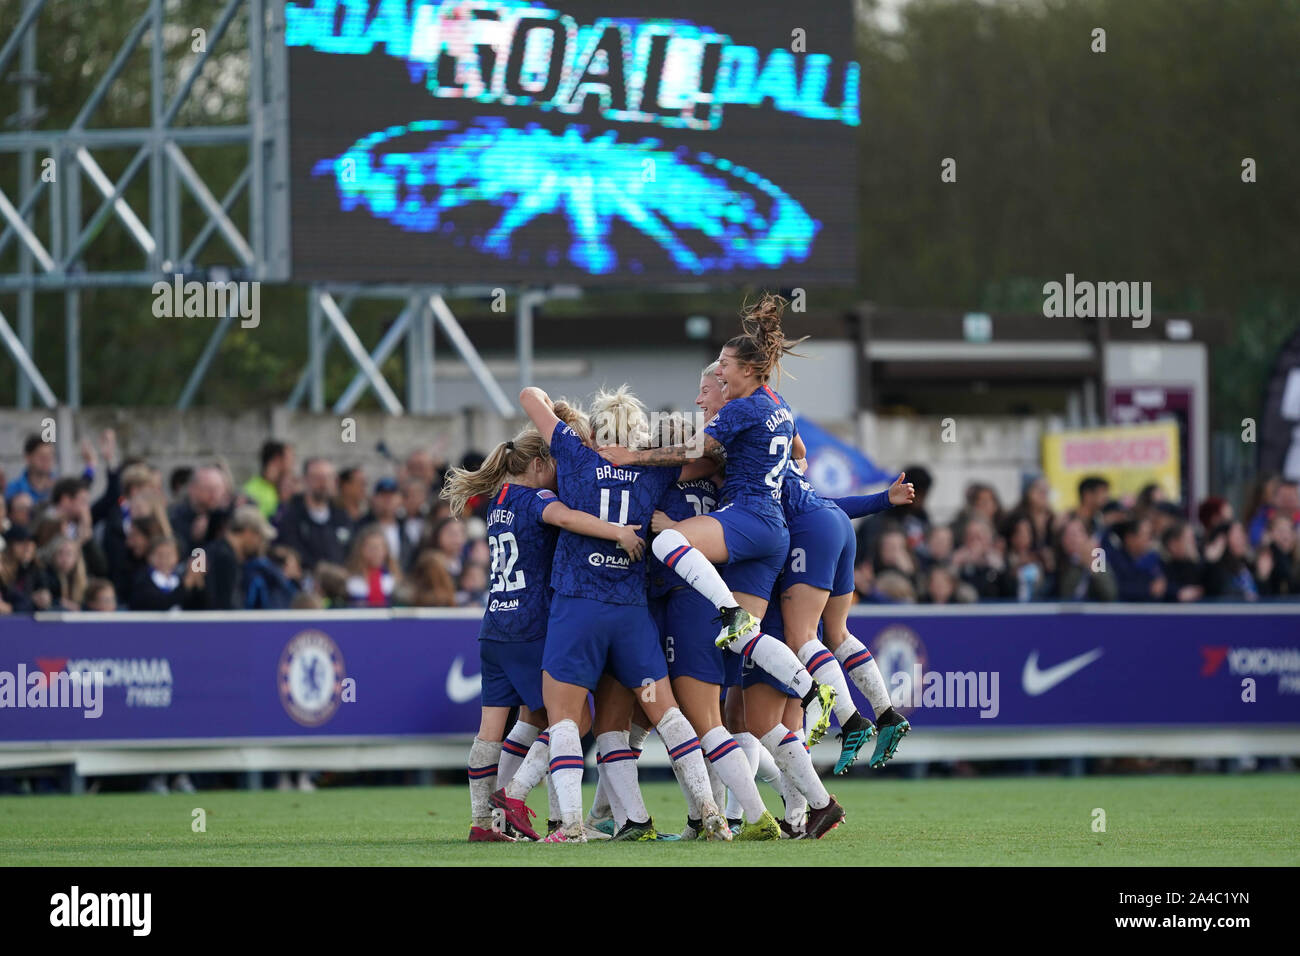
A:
<point x="462" y="689"/>
<point x="1035" y="681"/>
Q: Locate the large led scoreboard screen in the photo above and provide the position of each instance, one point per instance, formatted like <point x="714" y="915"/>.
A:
<point x="573" y="141"/>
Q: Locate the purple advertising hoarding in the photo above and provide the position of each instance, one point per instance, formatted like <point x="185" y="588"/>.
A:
<point x="207" y="677"/>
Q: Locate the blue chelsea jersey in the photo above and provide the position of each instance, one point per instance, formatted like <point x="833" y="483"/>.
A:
<point x="757" y="432"/>
<point x="682" y="500"/>
<point x="593" y="567"/>
<point x="522" y="548"/>
<point x="798" y="497"/>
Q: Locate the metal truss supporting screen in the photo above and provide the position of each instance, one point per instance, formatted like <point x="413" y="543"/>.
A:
<point x="573" y="141"/>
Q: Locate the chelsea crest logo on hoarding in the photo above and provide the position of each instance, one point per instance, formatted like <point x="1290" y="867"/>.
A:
<point x="902" y="659"/>
<point x="310" y="678"/>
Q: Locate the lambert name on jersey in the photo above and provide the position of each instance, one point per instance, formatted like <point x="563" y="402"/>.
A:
<point x="501" y="516"/>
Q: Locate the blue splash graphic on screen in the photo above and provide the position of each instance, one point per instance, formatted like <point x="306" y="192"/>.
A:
<point x="706" y="213"/>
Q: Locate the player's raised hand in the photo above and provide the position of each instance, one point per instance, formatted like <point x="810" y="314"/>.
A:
<point x="616" y="454"/>
<point x="899" y="493"/>
<point x="661" y="522"/>
<point x="630" y="542"/>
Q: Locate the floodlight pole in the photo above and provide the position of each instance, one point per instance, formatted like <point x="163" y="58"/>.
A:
<point x="528" y="302"/>
<point x="27" y="117"/>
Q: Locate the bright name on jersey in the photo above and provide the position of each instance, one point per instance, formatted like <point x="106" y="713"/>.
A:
<point x="611" y="473"/>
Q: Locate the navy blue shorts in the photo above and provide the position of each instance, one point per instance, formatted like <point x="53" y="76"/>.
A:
<point x="756" y="549"/>
<point x="658" y="608"/>
<point x="586" y="638"/>
<point x="689" y="631"/>
<point x="822" y="551"/>
<point x="512" y="673"/>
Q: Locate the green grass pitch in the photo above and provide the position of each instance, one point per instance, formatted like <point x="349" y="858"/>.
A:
<point x="1164" y="820"/>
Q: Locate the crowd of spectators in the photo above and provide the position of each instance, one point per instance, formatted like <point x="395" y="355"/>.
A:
<point x="312" y="536"/>
<point x="304" y="537"/>
<point x="1146" y="548"/>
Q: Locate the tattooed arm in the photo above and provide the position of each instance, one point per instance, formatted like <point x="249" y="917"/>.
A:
<point x="672" y="455"/>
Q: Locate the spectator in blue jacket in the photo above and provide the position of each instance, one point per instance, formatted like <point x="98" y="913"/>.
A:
<point x="1139" y="575"/>
<point x="273" y="580"/>
<point x="1284" y="500"/>
<point x="37" y="478"/>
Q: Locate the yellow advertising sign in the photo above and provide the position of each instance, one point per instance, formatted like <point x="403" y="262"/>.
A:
<point x="1128" y="456"/>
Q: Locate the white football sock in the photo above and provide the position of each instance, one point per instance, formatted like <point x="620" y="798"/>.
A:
<point x="768" y="771"/>
<point x="733" y="768"/>
<point x="482" y="780"/>
<point x="688" y="761"/>
<point x="617" y="763"/>
<point x="692" y="805"/>
<point x="862" y="669"/>
<point x="796" y="804"/>
<point x="765" y="767"/>
<point x="612" y="805"/>
<point x="734" y="809"/>
<point x="716" y="786"/>
<point x="750" y="745"/>
<point x="566" y="771"/>
<point x="825" y="669"/>
<point x="789" y="753"/>
<point x="553" y="811"/>
<point x="777" y="659"/>
<point x="532" y="770"/>
<point x="513" y="751"/>
<point x="601" y="804"/>
<point x="672" y="548"/>
<point x="636" y="738"/>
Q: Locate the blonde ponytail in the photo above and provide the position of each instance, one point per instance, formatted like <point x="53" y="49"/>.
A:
<point x="619" y="418"/>
<point x="507" y="459"/>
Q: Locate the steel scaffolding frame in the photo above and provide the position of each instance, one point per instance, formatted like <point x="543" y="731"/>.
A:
<point x="52" y="248"/>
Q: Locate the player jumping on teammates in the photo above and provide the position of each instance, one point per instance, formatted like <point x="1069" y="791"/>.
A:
<point x="764" y="706"/>
<point x="699" y="669"/>
<point x="753" y="433"/>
